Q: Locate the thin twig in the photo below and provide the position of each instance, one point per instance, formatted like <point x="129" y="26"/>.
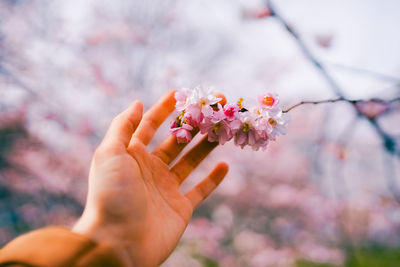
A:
<point x="314" y="103"/>
<point x="376" y="100"/>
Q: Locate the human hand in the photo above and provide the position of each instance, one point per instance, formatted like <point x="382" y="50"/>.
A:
<point x="134" y="203"/>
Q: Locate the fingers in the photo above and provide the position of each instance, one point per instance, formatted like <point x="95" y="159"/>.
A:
<point x="169" y="149"/>
<point x="154" y="117"/>
<point x="208" y="184"/>
<point x="124" y="125"/>
<point x="192" y="159"/>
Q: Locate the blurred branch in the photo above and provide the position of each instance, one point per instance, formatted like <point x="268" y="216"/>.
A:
<point x="33" y="93"/>
<point x="389" y="142"/>
<point x="342" y="99"/>
<point x="306" y="51"/>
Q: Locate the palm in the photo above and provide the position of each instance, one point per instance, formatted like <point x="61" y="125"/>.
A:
<point x="136" y="194"/>
<point x="164" y="210"/>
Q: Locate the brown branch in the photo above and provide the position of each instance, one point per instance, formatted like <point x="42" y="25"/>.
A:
<point x="314" y="103"/>
<point x="389" y="142"/>
<point x="340" y="99"/>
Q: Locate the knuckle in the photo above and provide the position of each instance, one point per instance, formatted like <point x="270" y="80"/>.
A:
<point x="135" y="145"/>
<point x="131" y="149"/>
<point x="151" y="123"/>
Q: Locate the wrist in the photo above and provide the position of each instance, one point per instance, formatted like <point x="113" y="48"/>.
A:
<point x="91" y="228"/>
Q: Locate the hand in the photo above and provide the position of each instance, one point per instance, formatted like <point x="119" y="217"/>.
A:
<point x="134" y="203"/>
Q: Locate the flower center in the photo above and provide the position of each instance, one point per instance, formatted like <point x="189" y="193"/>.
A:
<point x="203" y="102"/>
<point x="272" y="122"/>
<point x="216" y="127"/>
<point x="180" y="119"/>
<point x="229" y="112"/>
<point x="269" y="101"/>
<point x="246" y="127"/>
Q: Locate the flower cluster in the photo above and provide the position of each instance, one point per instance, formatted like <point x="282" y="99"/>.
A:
<point x="200" y="109"/>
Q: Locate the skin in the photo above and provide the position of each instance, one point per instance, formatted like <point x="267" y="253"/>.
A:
<point x="134" y="201"/>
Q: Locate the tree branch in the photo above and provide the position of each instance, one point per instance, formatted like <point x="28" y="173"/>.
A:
<point x="389" y="142"/>
<point x="342" y="99"/>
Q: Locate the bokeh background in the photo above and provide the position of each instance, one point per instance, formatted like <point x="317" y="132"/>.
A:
<point x="326" y="194"/>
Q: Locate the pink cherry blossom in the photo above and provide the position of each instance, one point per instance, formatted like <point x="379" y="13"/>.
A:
<point x="268" y="101"/>
<point x="202" y="98"/>
<point x="217" y="127"/>
<point x="276" y="124"/>
<point x="231" y="111"/>
<point x="200" y="109"/>
<point x="182" y="133"/>
<point x="181" y="99"/>
<point x="193" y="113"/>
<point x="196" y="103"/>
<point x="247" y="133"/>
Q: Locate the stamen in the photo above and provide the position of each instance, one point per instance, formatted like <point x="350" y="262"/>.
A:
<point x="269" y="101"/>
<point x="240" y="103"/>
<point x="203" y="102"/>
<point x="246" y="127"/>
<point x="272" y="122"/>
<point x="216" y="127"/>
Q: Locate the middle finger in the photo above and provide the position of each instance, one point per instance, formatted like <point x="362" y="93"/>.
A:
<point x="169" y="149"/>
<point x="192" y="158"/>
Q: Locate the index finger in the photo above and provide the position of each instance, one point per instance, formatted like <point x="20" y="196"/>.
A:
<point x="154" y="117"/>
<point x="123" y="126"/>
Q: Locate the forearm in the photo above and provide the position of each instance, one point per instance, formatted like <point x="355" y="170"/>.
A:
<point x="57" y="246"/>
<point x="87" y="226"/>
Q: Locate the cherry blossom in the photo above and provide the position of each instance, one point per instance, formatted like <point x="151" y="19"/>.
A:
<point x="199" y="103"/>
<point x="181" y="99"/>
<point x="217" y="127"/>
<point x="268" y="101"/>
<point x="273" y="123"/>
<point x="231" y="111"/>
<point x="248" y="127"/>
<point x="182" y="133"/>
